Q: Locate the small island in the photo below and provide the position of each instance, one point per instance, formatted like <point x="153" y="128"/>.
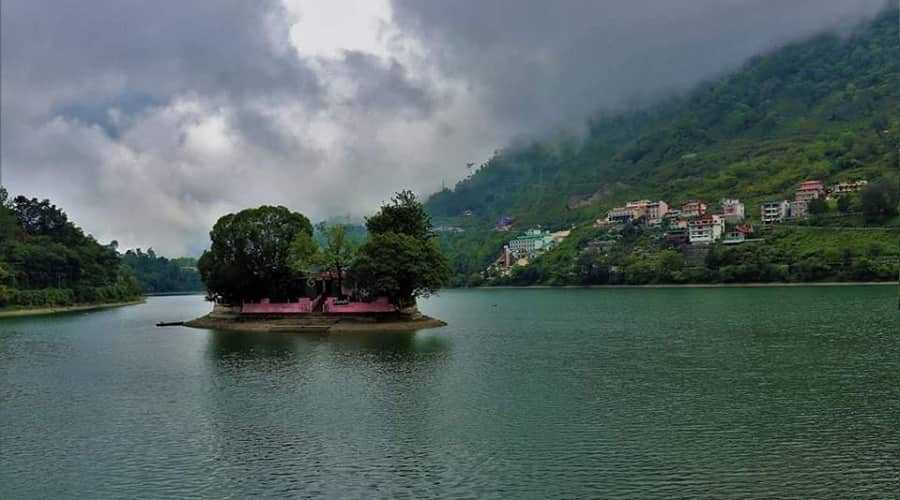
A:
<point x="266" y="272"/>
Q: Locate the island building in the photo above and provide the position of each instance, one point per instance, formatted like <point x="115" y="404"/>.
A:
<point x="693" y="208"/>
<point x="706" y="229"/>
<point x="809" y="190"/>
<point x="732" y="210"/>
<point x="327" y="300"/>
<point x="773" y="212"/>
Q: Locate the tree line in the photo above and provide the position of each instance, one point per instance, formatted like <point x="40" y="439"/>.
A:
<point x="46" y="260"/>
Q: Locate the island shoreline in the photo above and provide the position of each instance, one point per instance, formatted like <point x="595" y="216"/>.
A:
<point x="313" y="325"/>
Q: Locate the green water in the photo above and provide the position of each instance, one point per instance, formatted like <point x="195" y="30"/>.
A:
<point x="625" y="393"/>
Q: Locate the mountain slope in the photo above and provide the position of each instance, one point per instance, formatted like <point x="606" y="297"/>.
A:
<point x="824" y="108"/>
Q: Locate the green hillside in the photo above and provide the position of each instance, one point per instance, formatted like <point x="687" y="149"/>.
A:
<point x="824" y="108"/>
<point x="46" y="260"/>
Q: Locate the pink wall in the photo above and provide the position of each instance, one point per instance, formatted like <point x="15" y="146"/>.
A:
<point x="380" y="305"/>
<point x="265" y="307"/>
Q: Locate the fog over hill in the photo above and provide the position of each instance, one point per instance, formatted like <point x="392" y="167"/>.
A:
<point x="147" y="121"/>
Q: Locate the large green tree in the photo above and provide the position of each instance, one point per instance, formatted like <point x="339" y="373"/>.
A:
<point x="249" y="255"/>
<point x="401" y="257"/>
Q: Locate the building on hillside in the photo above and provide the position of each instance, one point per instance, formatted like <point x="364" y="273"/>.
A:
<point x="677" y="236"/>
<point x="656" y="210"/>
<point x="534" y="242"/>
<point x="706" y="229"/>
<point x="468" y="213"/>
<point x="504" y="223"/>
<point x="448" y="229"/>
<point x="738" y="235"/>
<point x="842" y="188"/>
<point x="650" y="211"/>
<point x="693" y="208"/>
<point x="809" y="190"/>
<point x="620" y="215"/>
<point x="732" y="210"/>
<point x="672" y="216"/>
<point x="798" y="209"/>
<point x="773" y="212"/>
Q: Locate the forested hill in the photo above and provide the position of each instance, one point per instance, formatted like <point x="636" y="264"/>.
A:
<point x="46" y="260"/>
<point x="825" y="108"/>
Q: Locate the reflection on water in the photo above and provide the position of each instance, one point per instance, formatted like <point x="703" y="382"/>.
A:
<point x="528" y="393"/>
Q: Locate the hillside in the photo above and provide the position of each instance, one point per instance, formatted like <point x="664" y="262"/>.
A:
<point x="46" y="260"/>
<point x="824" y="108"/>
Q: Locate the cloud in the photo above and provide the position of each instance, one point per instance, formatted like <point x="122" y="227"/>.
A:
<point x="539" y="65"/>
<point x="147" y="121"/>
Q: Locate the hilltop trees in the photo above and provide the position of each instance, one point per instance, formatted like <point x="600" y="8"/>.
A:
<point x="401" y="257"/>
<point x="250" y="252"/>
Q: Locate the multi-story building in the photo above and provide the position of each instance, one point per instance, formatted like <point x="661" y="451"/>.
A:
<point x="693" y="208"/>
<point x="774" y="212"/>
<point x="809" y="190"/>
<point x="620" y="215"/>
<point x="732" y="210"/>
<point x="651" y="211"/>
<point x="705" y="229"/>
<point x="656" y="211"/>
<point x="533" y="242"/>
<point x="847" y="187"/>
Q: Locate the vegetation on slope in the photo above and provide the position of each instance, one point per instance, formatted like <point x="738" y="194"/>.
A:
<point x="46" y="260"/>
<point x="157" y="274"/>
<point x="821" y="109"/>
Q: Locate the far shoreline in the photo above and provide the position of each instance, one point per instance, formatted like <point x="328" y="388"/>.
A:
<point x="692" y="285"/>
<point x="46" y="311"/>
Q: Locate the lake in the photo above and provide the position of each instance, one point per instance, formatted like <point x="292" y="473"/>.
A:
<point x="528" y="393"/>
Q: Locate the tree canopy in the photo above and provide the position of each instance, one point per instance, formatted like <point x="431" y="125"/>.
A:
<point x="401" y="257"/>
<point x="250" y="252"/>
<point x="48" y="260"/>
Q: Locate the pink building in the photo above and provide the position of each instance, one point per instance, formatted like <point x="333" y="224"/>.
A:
<point x="809" y="190"/>
<point x="656" y="211"/>
<point x="693" y="208"/>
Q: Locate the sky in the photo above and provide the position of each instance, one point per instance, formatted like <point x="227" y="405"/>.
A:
<point x="146" y="121"/>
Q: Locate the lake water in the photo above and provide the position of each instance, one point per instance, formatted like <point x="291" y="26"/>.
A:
<point x="723" y="393"/>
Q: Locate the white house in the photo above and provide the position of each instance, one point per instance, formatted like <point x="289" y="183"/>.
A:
<point x="533" y="242"/>
<point x="706" y="229"/>
<point x="774" y="212"/>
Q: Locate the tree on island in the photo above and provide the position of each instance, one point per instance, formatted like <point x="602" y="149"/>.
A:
<point x="336" y="257"/>
<point x="401" y="257"/>
<point x="250" y="253"/>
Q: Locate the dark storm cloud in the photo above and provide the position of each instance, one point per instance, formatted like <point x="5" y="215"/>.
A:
<point x="539" y="64"/>
<point x="148" y="119"/>
<point x="159" y="48"/>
